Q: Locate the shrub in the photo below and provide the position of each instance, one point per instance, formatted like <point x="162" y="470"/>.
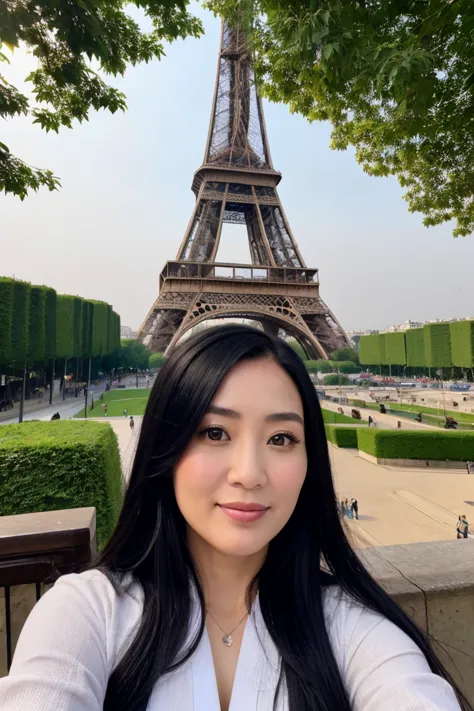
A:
<point x="415" y="344"/>
<point x="19" y="324"/>
<point x="437" y="345"/>
<point x="369" y="350"/>
<point x="46" y="466"/>
<point x="395" y="349"/>
<point x="462" y="343"/>
<point x="64" y="326"/>
<point x="6" y="308"/>
<point x="417" y="444"/>
<point x="336" y="380"/>
<point x="37" y="324"/>
<point x="331" y="417"/>
<point x="342" y="436"/>
<point x="156" y="360"/>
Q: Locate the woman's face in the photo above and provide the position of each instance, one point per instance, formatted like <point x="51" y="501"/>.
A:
<point x="239" y="479"/>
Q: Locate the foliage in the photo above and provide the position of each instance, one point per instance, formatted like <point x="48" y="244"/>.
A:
<point x="346" y="366"/>
<point x="395" y="349"/>
<point x="6" y="308"/>
<point x="395" y="79"/>
<point x="342" y="436"/>
<point x="297" y="347"/>
<point x="87" y="325"/>
<point x="36" y="324"/>
<point x="319" y="366"/>
<point x="417" y="444"/>
<point x="437" y="345"/>
<point x="99" y="328"/>
<point x="462" y="343"/>
<point x="156" y="360"/>
<point x="46" y="466"/>
<point x="336" y="380"/>
<point x="331" y="417"/>
<point x="50" y="323"/>
<point x="77" y="326"/>
<point x="19" y="330"/>
<point x="64" y="326"/>
<point x="345" y="354"/>
<point x="133" y="354"/>
<point x="369" y="349"/>
<point x="415" y="345"/>
<point x="69" y="41"/>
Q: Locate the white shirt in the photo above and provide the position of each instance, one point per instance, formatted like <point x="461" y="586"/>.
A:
<point x="79" y="630"/>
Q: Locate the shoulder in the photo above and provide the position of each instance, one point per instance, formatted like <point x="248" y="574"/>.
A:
<point x="379" y="663"/>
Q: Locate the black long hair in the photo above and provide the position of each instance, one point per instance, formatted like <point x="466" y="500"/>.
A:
<point x="149" y="540"/>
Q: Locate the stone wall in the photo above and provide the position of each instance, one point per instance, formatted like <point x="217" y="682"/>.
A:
<point x="432" y="582"/>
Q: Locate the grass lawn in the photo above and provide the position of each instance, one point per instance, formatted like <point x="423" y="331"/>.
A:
<point x="132" y="400"/>
<point x="331" y="417"/>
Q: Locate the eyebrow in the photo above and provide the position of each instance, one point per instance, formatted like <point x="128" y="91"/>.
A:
<point x="274" y="417"/>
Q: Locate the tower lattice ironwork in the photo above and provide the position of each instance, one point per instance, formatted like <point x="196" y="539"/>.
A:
<point x="237" y="183"/>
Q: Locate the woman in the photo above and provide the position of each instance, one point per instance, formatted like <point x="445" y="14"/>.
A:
<point x="210" y="594"/>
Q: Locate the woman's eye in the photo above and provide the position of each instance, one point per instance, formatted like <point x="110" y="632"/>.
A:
<point x="282" y="440"/>
<point x="215" y="434"/>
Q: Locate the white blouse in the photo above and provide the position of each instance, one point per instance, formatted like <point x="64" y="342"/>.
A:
<point x="79" y="630"/>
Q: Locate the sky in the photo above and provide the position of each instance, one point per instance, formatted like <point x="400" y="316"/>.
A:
<point x="126" y="199"/>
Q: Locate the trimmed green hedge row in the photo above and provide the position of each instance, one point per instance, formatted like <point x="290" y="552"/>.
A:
<point x="417" y="444"/>
<point x="342" y="436"/>
<point x="462" y="343"/>
<point x="436" y="345"/>
<point x="37" y="325"/>
<point x="331" y="417"/>
<point x="46" y="466"/>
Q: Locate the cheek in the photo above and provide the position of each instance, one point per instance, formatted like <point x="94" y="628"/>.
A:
<point x="195" y="478"/>
<point x="287" y="476"/>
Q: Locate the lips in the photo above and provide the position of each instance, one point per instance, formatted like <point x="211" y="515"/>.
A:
<point x="242" y="512"/>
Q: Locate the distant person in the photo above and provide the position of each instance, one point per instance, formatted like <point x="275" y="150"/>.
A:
<point x="343" y="508"/>
<point x="470" y="467"/>
<point x="355" y="508"/>
<point x="56" y="416"/>
<point x="132" y="423"/>
<point x="106" y="409"/>
<point x="125" y="412"/>
<point x="370" y="420"/>
<point x="348" y="508"/>
<point x="458" y="528"/>
<point x="464" y="527"/>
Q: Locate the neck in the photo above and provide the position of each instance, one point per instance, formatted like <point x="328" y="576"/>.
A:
<point x="224" y="578"/>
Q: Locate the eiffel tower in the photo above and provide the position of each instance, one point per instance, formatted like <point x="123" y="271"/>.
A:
<point x="237" y="183"/>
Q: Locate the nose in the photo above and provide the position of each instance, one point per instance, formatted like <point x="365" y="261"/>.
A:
<point x="248" y="465"/>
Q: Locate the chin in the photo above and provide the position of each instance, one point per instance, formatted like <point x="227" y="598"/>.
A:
<point x="240" y="547"/>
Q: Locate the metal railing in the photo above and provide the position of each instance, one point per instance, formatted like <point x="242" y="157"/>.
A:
<point x="239" y="272"/>
<point x="35" y="549"/>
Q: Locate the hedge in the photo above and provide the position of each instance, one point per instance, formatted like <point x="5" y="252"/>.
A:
<point x="417" y="444"/>
<point x="6" y="309"/>
<point x="437" y="345"/>
<point x="99" y="328"/>
<point x="19" y="324"/>
<point x="64" y="326"/>
<point x="77" y="326"/>
<point x="395" y="349"/>
<point x="50" y="324"/>
<point x="87" y="324"/>
<point x="331" y="417"/>
<point x="37" y="324"/>
<point x="462" y="343"/>
<point x="369" y="349"/>
<point x="342" y="436"/>
<point x="415" y="346"/>
<point x="46" y="466"/>
<point x="383" y="355"/>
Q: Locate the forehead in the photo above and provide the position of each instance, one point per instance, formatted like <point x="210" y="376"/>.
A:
<point x="258" y="386"/>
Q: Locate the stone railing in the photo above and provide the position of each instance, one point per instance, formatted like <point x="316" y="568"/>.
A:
<point x="34" y="550"/>
<point x="432" y="582"/>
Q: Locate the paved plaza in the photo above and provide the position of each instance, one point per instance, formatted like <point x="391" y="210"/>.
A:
<point x="399" y="505"/>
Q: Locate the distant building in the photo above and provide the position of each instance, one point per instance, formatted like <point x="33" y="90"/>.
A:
<point x="126" y="332"/>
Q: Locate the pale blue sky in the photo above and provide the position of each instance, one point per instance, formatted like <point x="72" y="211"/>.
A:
<point x="126" y="200"/>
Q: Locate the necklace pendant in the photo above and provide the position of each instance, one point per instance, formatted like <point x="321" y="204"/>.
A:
<point x="227" y="639"/>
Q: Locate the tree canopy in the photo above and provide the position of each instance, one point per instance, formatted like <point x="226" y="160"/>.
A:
<point x="394" y="77"/>
<point x="76" y="44"/>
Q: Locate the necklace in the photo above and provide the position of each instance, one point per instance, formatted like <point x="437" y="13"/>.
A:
<point x="227" y="638"/>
